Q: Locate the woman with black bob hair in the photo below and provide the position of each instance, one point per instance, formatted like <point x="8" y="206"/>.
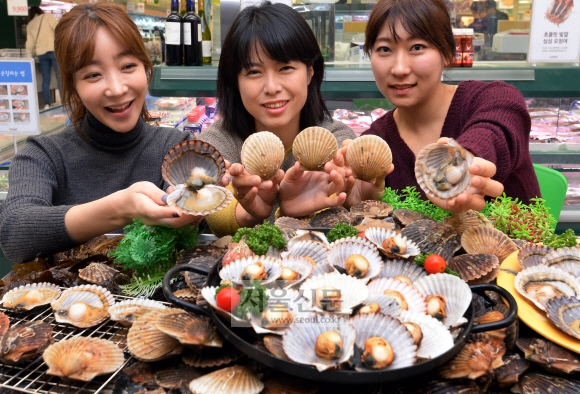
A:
<point x="269" y="78"/>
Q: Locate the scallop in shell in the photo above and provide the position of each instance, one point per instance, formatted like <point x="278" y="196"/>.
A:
<point x="540" y="283"/>
<point x="408" y="296"/>
<point x="189" y="329"/>
<point x="395" y="268"/>
<point x="350" y="290"/>
<point x="202" y="202"/>
<point x="341" y="253"/>
<point x="433" y="237"/>
<point x="128" y="311"/>
<point x="299" y="269"/>
<point x="25" y="341"/>
<point x="315" y="250"/>
<point x="313" y="147"/>
<point x="531" y="254"/>
<point x="478" y="357"/>
<point x="369" y="157"/>
<point x="437" y="339"/>
<point x="371" y="208"/>
<point x="380" y="303"/>
<point x="237" y="271"/>
<point x="236" y="379"/>
<point x="392" y="331"/>
<point x="147" y="343"/>
<point x="83" y="358"/>
<point x="567" y="259"/>
<point x="97" y="273"/>
<point x="284" y="305"/>
<point x="263" y="154"/>
<point x="29" y="296"/>
<point x="83" y="306"/>
<point x="391" y="243"/>
<point x="442" y="170"/>
<point x="488" y="240"/>
<point x="565" y="313"/>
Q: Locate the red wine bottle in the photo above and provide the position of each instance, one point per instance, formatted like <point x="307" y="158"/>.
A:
<point x="191" y="36"/>
<point x="174" y="36"/>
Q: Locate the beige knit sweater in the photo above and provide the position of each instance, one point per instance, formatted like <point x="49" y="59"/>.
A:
<point x="45" y="31"/>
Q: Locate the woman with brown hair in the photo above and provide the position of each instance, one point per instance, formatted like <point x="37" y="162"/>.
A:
<point x="104" y="170"/>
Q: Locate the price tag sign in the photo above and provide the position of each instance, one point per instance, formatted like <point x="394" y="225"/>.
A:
<point x="130" y="6"/>
<point x="140" y="8"/>
<point x="18" y="7"/>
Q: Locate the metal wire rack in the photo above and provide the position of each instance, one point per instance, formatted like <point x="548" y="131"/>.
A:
<point x="31" y="376"/>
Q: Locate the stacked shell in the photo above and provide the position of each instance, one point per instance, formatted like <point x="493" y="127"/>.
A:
<point x="313" y="147"/>
<point x="262" y="154"/>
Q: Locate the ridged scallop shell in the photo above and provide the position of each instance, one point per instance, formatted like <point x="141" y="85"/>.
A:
<point x="377" y="235"/>
<point x="488" y="240"/>
<point x="465" y="220"/>
<point x="453" y="290"/>
<point x="531" y="254"/>
<point x="491" y="317"/>
<point x="275" y="345"/>
<point x="442" y="170"/>
<point x="475" y="268"/>
<point x="189" y="329"/>
<point x="128" y="311"/>
<point x="565" y="313"/>
<point x="315" y="250"/>
<point x="83" y="306"/>
<point x="342" y="249"/>
<point x="407" y="216"/>
<point x="478" y="357"/>
<point x="298" y="264"/>
<point x="83" y="358"/>
<point x="313" y="147"/>
<point x="263" y="154"/>
<point x="512" y="331"/>
<point x="388" y="305"/>
<point x="29" y="296"/>
<point x="391" y="330"/>
<point x="236" y="379"/>
<point x="330" y="217"/>
<point x="291" y="300"/>
<point x="174" y="376"/>
<point x="369" y="157"/>
<point x="300" y="340"/>
<point x="284" y="222"/>
<point x="414" y="299"/>
<point x="207" y="357"/>
<point x="394" y="268"/>
<point x="24" y="341"/>
<point x="97" y="273"/>
<point x="147" y="343"/>
<point x="4" y="324"/>
<point x="307" y="235"/>
<point x="208" y="200"/>
<point x="353" y="291"/>
<point x="543" y="383"/>
<point x="208" y="294"/>
<point x="433" y="237"/>
<point x="371" y="208"/>
<point x="180" y="161"/>
<point x="567" y="259"/>
<point x="234" y="270"/>
<point x="542" y="274"/>
<point x="368" y="222"/>
<point x="436" y="337"/>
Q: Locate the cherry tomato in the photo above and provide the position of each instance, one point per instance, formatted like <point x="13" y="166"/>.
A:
<point x="227" y="299"/>
<point x="435" y="264"/>
<point x="362" y="234"/>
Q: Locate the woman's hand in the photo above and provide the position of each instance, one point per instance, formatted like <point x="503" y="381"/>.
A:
<point x="255" y="197"/>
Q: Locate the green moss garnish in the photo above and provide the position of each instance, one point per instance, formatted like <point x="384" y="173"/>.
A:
<point x="410" y="198"/>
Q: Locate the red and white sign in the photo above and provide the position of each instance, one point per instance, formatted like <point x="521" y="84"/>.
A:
<point x="17" y="7"/>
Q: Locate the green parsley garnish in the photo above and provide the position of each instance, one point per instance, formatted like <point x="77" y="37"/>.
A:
<point x="341" y="230"/>
<point x="260" y="238"/>
<point x="253" y="299"/>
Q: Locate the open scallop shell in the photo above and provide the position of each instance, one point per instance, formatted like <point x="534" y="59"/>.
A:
<point x="307" y="235"/>
<point x="453" y="290"/>
<point x="189" y="329"/>
<point x="531" y="254"/>
<point x="300" y="340"/>
<point x="207" y="200"/>
<point x="388" y="305"/>
<point x="433" y="237"/>
<point x="298" y="264"/>
<point x="567" y="259"/>
<point x="391" y="330"/>
<point x="488" y="240"/>
<point x="342" y="249"/>
<point x="372" y="209"/>
<point x="290" y="299"/>
<point x="128" y="311"/>
<point x="147" y="343"/>
<point x="377" y="235"/>
<point x="29" y="296"/>
<point x="208" y="294"/>
<point x="369" y="157"/>
<point x="83" y="306"/>
<point x="315" y="250"/>
<point x="313" y="147"/>
<point x="394" y="268"/>
<point x="528" y="280"/>
<point x="414" y="299"/>
<point x="275" y="345"/>
<point x="475" y="268"/>
<point x="236" y="379"/>
<point x="442" y="170"/>
<point x="565" y="313"/>
<point x="83" y="358"/>
<point x="234" y="270"/>
<point x="353" y="291"/>
<point x="437" y="339"/>
<point x="25" y="341"/>
<point x="263" y="154"/>
<point x="186" y="156"/>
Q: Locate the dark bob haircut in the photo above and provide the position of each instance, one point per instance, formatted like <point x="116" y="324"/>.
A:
<point x="284" y="36"/>
<point x="425" y="19"/>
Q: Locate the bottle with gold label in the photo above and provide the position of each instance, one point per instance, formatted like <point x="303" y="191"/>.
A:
<point x="205" y="33"/>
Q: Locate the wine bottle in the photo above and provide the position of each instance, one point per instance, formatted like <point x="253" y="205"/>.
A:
<point x="191" y="36"/>
<point x="205" y="33"/>
<point x="174" y="36"/>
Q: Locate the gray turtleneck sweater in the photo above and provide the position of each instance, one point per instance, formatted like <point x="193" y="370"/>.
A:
<point x="55" y="172"/>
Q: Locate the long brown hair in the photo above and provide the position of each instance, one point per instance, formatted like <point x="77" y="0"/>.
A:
<point x="425" y="19"/>
<point x="74" y="47"/>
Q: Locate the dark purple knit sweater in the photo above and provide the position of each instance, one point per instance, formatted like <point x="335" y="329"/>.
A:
<point x="488" y="118"/>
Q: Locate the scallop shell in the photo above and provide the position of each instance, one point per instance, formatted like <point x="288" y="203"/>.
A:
<point x="330" y="217"/>
<point x="567" y="259"/>
<point x="478" y="357"/>
<point x="83" y="358"/>
<point x="543" y="383"/>
<point x="433" y="237"/>
<point x="465" y="220"/>
<point x="315" y="250"/>
<point x="453" y="290"/>
<point x="234" y="270"/>
<point x="394" y="268"/>
<point x="175" y="375"/>
<point x="128" y="311"/>
<point x="290" y="299"/>
<point x="263" y="154"/>
<point x="147" y="343"/>
<point x="532" y="254"/>
<point x="189" y="329"/>
<point x="388" y="305"/>
<point x="442" y="170"/>
<point x="342" y="249"/>
<point x="313" y="147"/>
<point x="300" y="340"/>
<point x="25" y="341"/>
<point x="184" y="157"/>
<point x="377" y="235"/>
<point x="97" y="272"/>
<point x="542" y="274"/>
<point x="298" y="264"/>
<point x="369" y="157"/>
<point x="488" y="240"/>
<point x="475" y="268"/>
<point x="83" y="306"/>
<point x="4" y="324"/>
<point x="207" y="357"/>
<point x="29" y="296"/>
<point x="565" y="313"/>
<point x="391" y="330"/>
<point x="236" y="379"/>
<point x="208" y="200"/>
<point x="208" y="294"/>
<point x="307" y="235"/>
<point x="436" y="337"/>
<point x="353" y="291"/>
<point x="289" y="222"/>
<point x="371" y="208"/>
<point x="415" y="300"/>
<point x="407" y="216"/>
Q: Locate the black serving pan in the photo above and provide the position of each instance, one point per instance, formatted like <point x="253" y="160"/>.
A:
<point x="245" y="339"/>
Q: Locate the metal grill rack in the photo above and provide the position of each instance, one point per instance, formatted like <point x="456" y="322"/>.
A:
<point x="31" y="377"/>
